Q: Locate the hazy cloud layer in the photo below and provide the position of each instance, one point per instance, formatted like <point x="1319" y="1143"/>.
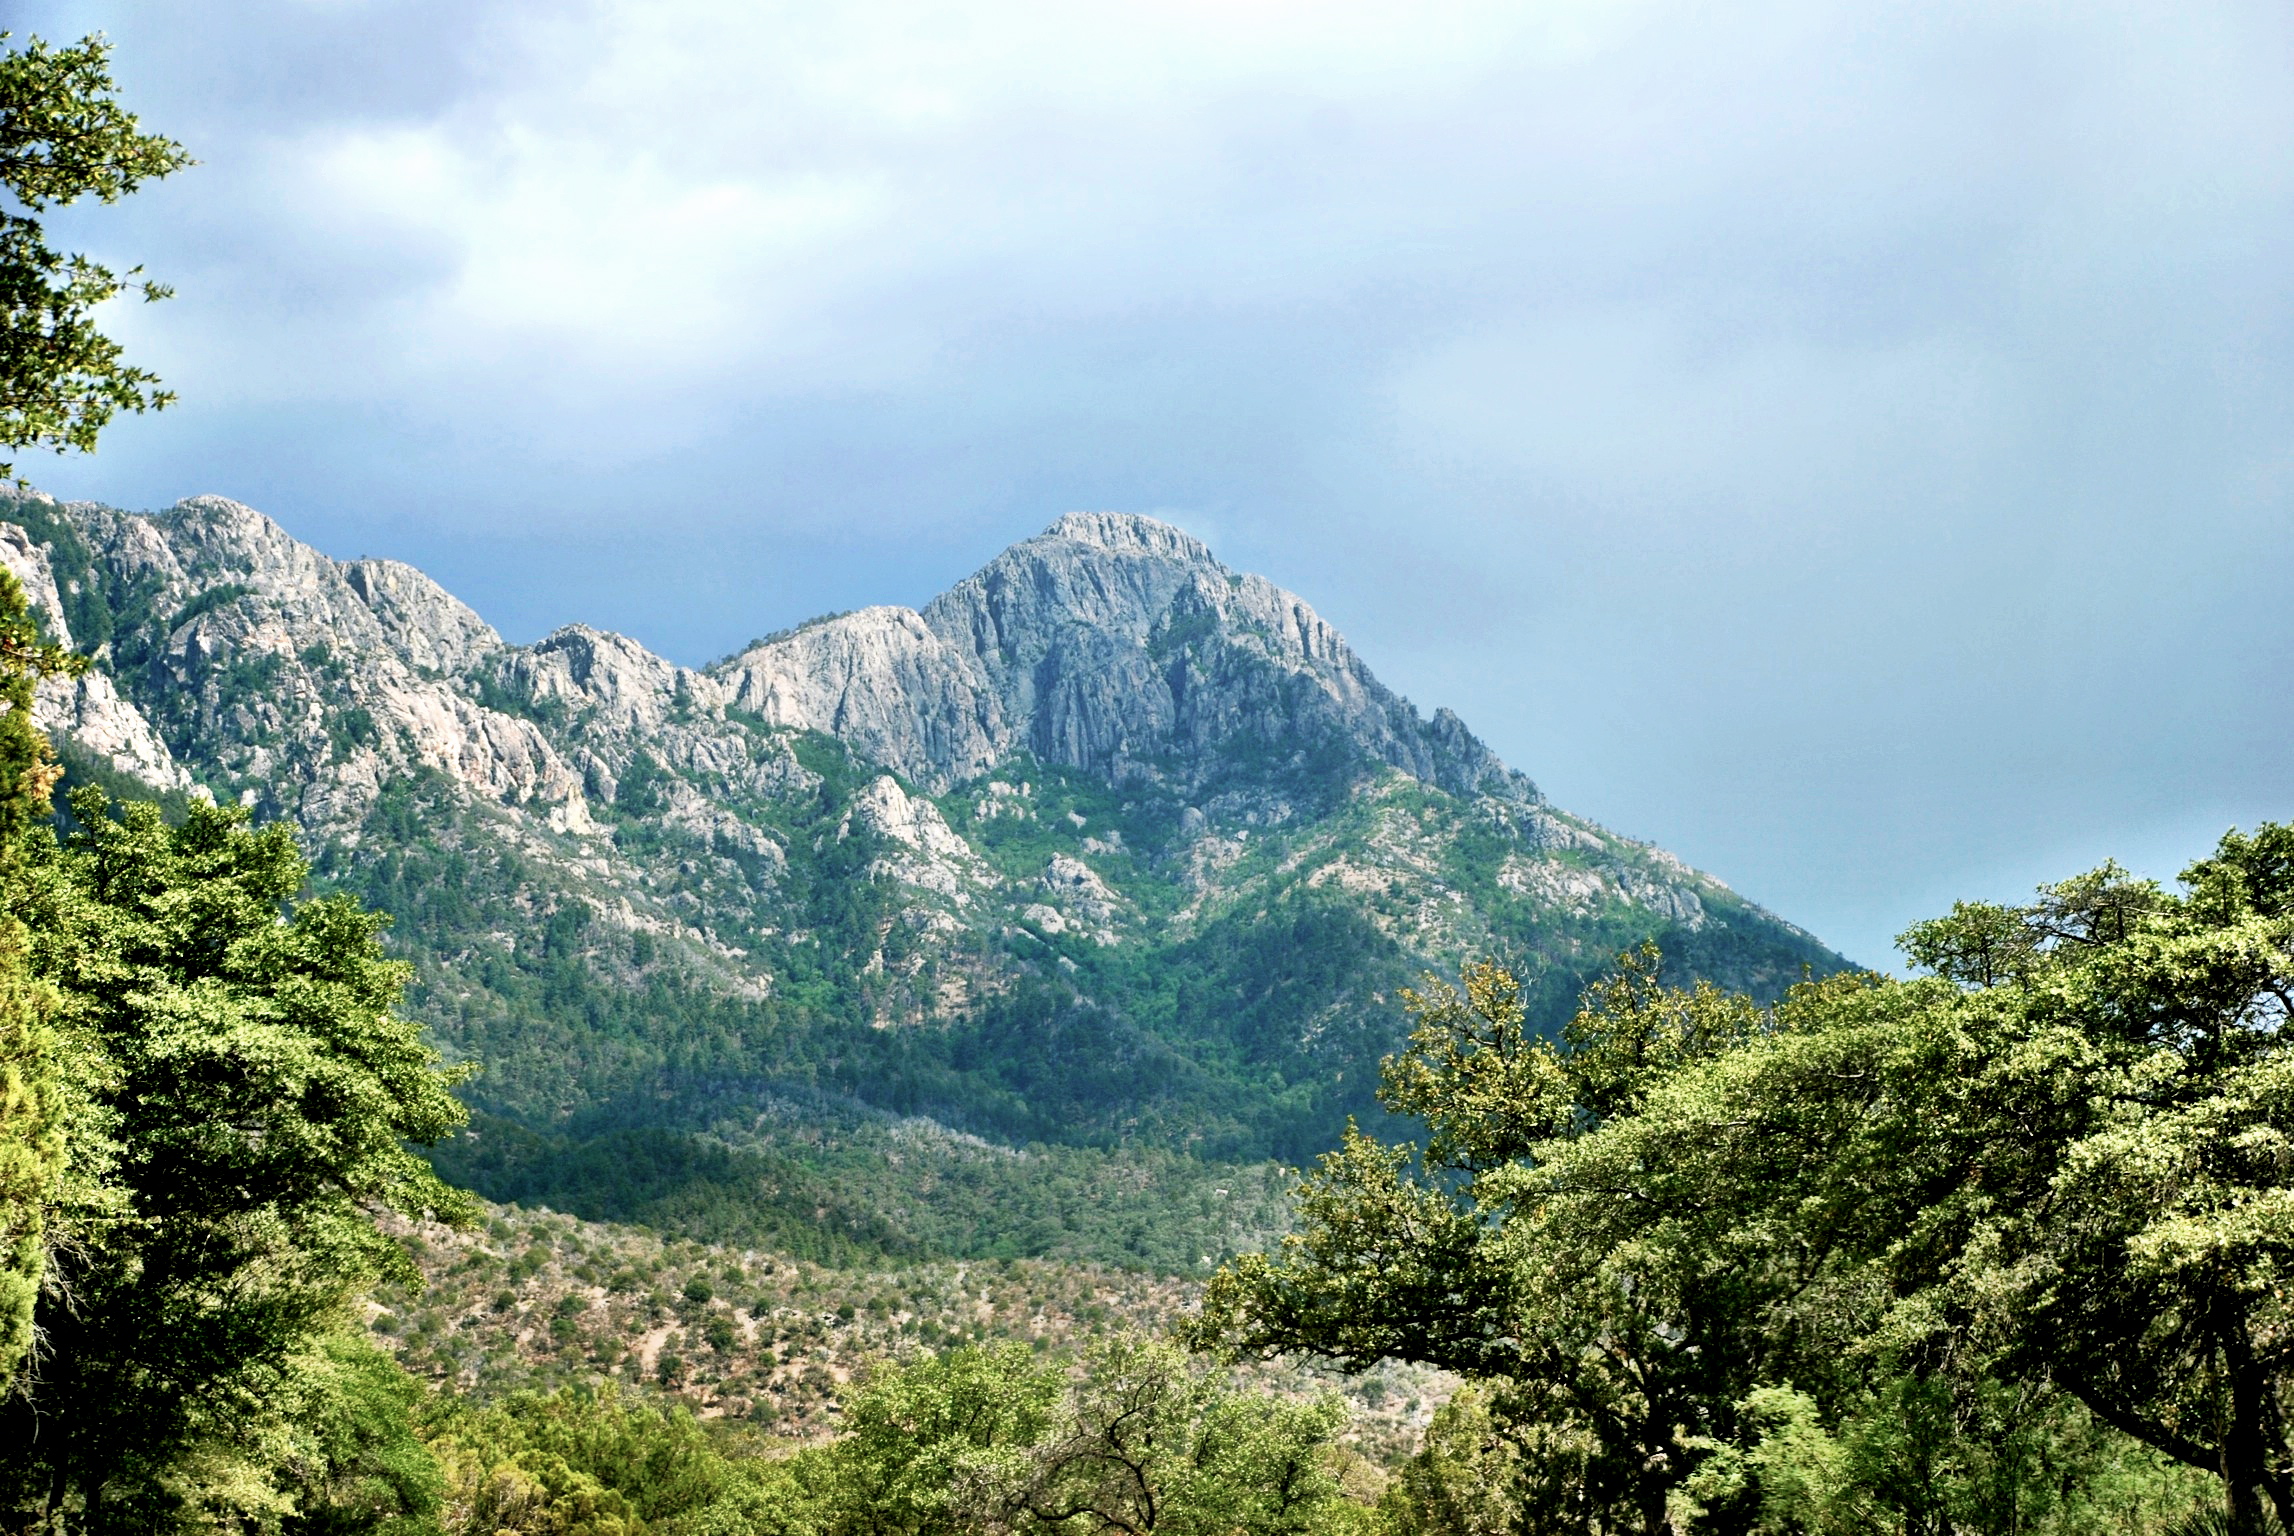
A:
<point x="1851" y="444"/>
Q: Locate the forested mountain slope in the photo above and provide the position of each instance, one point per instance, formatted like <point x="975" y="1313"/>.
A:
<point x="1109" y="853"/>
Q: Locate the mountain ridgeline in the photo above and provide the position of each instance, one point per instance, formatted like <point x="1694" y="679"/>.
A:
<point x="1034" y="922"/>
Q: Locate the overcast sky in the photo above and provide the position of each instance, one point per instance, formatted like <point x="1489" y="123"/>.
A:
<point x="1849" y="444"/>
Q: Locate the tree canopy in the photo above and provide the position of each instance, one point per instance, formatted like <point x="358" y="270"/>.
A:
<point x="65" y="136"/>
<point x="237" y="1095"/>
<point x="1988" y="1248"/>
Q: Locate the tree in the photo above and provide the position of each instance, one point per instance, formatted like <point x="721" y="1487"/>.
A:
<point x="1965" y="1251"/>
<point x="31" y="1131"/>
<point x="1465" y="1480"/>
<point x="358" y="1466"/>
<point x="238" y="1094"/>
<point x="596" y="1463"/>
<point x="1608" y="1358"/>
<point x="934" y="1447"/>
<point x="1156" y="1445"/>
<point x="1136" y="1439"/>
<point x="2130" y="1224"/>
<point x="65" y="136"/>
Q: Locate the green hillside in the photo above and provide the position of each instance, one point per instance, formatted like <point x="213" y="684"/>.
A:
<point x="737" y="976"/>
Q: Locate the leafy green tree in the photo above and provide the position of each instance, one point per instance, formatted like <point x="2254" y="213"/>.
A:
<point x="238" y="1094"/>
<point x="1610" y="1359"/>
<point x="2128" y="1227"/>
<point x="65" y="136"/>
<point x="1156" y="1445"/>
<point x="358" y="1467"/>
<point x="31" y="1131"/>
<point x="1467" y="1478"/>
<point x="1967" y="1251"/>
<point x="936" y="1447"/>
<point x="580" y="1462"/>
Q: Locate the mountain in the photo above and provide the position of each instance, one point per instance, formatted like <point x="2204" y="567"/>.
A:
<point x="1018" y="923"/>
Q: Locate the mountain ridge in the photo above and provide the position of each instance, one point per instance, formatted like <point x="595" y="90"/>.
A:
<point x="1106" y="846"/>
<point x="1004" y="678"/>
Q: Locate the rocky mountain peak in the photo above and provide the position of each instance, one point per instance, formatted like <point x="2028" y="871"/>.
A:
<point x="1110" y="642"/>
<point x="1129" y="533"/>
<point x="1118" y="643"/>
<point x="882" y="680"/>
<point x="593" y="850"/>
<point x="628" y="688"/>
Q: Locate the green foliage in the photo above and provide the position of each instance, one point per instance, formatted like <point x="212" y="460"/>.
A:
<point x="491" y="692"/>
<point x="359" y="1467"/>
<point x="64" y="136"/>
<point x="83" y="769"/>
<point x="350" y="729"/>
<point x="627" y="1085"/>
<point x="31" y="1120"/>
<point x="2003" y="1248"/>
<point x="207" y="602"/>
<point x="677" y="1182"/>
<point x="640" y="792"/>
<point x="582" y="1462"/>
<point x="1467" y="1478"/>
<point x="1135" y="1439"/>
<point x="1155" y="1442"/>
<point x="941" y="1446"/>
<point x="79" y="580"/>
<point x="237" y="1096"/>
<point x="1934" y="1453"/>
<point x="835" y="1188"/>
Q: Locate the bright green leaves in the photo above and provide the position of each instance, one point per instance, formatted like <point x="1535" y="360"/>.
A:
<point x="31" y="1130"/>
<point x="940" y="1445"/>
<point x="1140" y="1439"/>
<point x="1154" y="1442"/>
<point x="1384" y="1265"/>
<point x="1731" y="1267"/>
<point x="1137" y="1438"/>
<point x="238" y="1097"/>
<point x="65" y="136"/>
<point x="1485" y="1086"/>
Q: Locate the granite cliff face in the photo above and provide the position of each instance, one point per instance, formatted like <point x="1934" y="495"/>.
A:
<point x="1110" y="643"/>
<point x="1143" y="824"/>
<point x="86" y="711"/>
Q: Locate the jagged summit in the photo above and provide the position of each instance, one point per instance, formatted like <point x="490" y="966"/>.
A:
<point x="1110" y="642"/>
<point x="1129" y="533"/>
<point x="1146" y="825"/>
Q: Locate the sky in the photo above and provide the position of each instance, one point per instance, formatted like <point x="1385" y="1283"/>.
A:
<point x="1849" y="444"/>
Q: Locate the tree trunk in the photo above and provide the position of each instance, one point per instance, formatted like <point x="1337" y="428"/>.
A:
<point x="2245" y="1452"/>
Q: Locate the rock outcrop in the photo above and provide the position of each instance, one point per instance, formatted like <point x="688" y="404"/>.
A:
<point x="1112" y="643"/>
<point x="883" y="680"/>
<point x="893" y="800"/>
<point x="87" y="710"/>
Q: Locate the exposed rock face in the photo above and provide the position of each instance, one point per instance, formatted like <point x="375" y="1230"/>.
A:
<point x="377" y="606"/>
<point x="1113" y="643"/>
<point x="928" y="854"/>
<point x="883" y="680"/>
<point x="316" y="680"/>
<point x="626" y="687"/>
<point x="1104" y="737"/>
<point x="86" y="709"/>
